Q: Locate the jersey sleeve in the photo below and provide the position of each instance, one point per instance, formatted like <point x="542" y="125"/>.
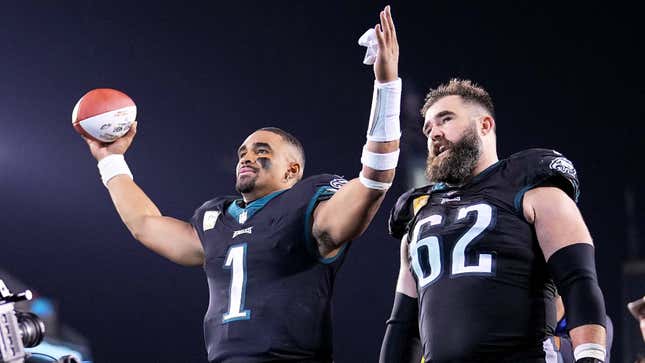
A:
<point x="319" y="188"/>
<point x="405" y="209"/>
<point x="543" y="167"/>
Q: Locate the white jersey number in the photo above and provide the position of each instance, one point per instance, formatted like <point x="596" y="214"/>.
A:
<point x="236" y="262"/>
<point x="432" y="244"/>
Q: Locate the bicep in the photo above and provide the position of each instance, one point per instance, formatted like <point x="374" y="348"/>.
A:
<point x="346" y="215"/>
<point x="557" y="220"/>
<point x="172" y="238"/>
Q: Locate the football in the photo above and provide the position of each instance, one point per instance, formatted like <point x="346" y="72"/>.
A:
<point x="104" y="114"/>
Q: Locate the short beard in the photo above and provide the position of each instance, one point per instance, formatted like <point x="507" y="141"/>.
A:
<point x="456" y="167"/>
<point x="246" y="185"/>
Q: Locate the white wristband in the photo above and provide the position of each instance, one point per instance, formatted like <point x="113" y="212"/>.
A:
<point x="373" y="184"/>
<point x="379" y="161"/>
<point x="386" y="108"/>
<point x="589" y="350"/>
<point x="111" y="166"/>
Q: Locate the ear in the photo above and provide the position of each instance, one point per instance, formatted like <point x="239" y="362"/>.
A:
<point x="293" y="171"/>
<point x="487" y="125"/>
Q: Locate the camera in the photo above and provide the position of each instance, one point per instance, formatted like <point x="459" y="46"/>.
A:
<point x="20" y="330"/>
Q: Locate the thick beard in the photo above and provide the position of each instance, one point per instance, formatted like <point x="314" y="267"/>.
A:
<point x="456" y="167"/>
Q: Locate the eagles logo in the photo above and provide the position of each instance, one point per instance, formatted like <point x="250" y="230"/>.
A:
<point x="337" y="183"/>
<point x="563" y="165"/>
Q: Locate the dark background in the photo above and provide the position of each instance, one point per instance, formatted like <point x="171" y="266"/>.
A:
<point x="204" y="75"/>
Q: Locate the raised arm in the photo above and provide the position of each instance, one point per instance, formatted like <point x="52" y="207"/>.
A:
<point x="347" y="214"/>
<point x="169" y="237"/>
<point x="568" y="249"/>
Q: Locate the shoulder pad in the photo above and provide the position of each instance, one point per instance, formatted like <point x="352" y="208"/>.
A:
<point x="405" y="209"/>
<point x="544" y="166"/>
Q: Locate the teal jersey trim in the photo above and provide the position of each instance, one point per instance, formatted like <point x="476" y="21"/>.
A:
<point x="321" y="192"/>
<point x="236" y="211"/>
<point x="517" y="202"/>
<point x="439" y="186"/>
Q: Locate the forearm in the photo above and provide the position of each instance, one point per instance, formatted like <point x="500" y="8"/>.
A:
<point x="171" y="238"/>
<point x="132" y="204"/>
<point x="384" y="176"/>
<point x="401" y="343"/>
<point x="589" y="333"/>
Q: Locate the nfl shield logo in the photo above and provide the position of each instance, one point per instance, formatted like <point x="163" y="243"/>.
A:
<point x="242" y="218"/>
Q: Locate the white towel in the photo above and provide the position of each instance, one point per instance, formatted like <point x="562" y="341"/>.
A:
<point x="368" y="39"/>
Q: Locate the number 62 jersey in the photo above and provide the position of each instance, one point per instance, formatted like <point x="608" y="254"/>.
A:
<point x="484" y="290"/>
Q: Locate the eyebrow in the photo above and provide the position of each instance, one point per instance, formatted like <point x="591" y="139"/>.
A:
<point x="444" y="113"/>
<point x="439" y="115"/>
<point x="256" y="145"/>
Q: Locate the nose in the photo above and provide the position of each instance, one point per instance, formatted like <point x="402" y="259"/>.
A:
<point x="245" y="160"/>
<point x="435" y="134"/>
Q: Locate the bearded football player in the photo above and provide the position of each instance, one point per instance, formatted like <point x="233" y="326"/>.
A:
<point x="485" y="245"/>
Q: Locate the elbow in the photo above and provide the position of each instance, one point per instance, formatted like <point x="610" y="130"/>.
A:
<point x="136" y="226"/>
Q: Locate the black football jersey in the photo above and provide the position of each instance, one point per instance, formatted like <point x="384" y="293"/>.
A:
<point x="485" y="294"/>
<point x="270" y="290"/>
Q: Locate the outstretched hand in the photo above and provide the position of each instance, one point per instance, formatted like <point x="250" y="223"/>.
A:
<point x="119" y="146"/>
<point x="386" y="68"/>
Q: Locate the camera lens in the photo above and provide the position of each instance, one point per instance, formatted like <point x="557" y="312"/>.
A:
<point x="32" y="328"/>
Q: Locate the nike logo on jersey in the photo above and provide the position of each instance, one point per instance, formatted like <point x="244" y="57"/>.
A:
<point x="447" y="200"/>
<point x="243" y="231"/>
<point x="210" y="218"/>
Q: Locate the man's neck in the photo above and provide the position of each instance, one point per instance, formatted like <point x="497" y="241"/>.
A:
<point x="485" y="161"/>
<point x="253" y="196"/>
<point x="250" y="197"/>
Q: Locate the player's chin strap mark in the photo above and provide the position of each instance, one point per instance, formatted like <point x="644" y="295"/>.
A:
<point x="111" y="166"/>
<point x="384" y="126"/>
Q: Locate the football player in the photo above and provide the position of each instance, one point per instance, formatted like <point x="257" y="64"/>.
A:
<point x="486" y="243"/>
<point x="272" y="253"/>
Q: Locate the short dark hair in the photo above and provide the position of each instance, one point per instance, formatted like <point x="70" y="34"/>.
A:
<point x="289" y="139"/>
<point x="468" y="90"/>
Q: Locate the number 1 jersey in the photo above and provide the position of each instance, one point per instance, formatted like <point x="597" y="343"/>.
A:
<point x="484" y="290"/>
<point x="270" y="290"/>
